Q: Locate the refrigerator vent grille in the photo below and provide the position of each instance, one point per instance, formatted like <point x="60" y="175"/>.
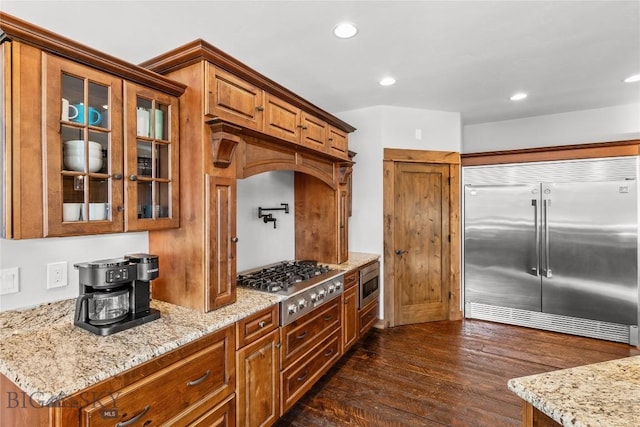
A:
<point x="549" y="322"/>
<point x="613" y="169"/>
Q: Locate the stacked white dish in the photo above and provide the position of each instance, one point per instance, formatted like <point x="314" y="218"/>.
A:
<point x="74" y="155"/>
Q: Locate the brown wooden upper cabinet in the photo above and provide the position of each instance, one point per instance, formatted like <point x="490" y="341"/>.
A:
<point x="242" y="103"/>
<point x="92" y="144"/>
<point x="233" y="99"/>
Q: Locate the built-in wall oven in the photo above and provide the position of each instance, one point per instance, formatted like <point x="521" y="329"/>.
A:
<point x="369" y="284"/>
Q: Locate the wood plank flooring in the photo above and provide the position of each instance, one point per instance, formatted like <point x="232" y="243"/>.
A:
<point x="440" y="374"/>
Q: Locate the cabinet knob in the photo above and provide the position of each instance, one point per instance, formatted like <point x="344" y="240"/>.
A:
<point x="234" y="239"/>
<point x="262" y="324"/>
<point x="278" y="345"/>
<point x="120" y="208"/>
<point x="133" y="178"/>
<point x="259" y="108"/>
<point x="117" y="176"/>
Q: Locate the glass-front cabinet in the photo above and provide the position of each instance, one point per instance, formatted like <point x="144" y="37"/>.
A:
<point x="111" y="153"/>
<point x="151" y="161"/>
<point x="83" y="150"/>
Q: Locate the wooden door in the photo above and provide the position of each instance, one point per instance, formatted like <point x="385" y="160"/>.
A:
<point x="259" y="382"/>
<point x="314" y="132"/>
<point x="282" y="119"/>
<point x="221" y="242"/>
<point x="233" y="99"/>
<point x="421" y="240"/>
<point x="350" y="317"/>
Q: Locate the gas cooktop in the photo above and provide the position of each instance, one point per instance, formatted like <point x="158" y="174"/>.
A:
<point x="285" y="277"/>
<point x="305" y="284"/>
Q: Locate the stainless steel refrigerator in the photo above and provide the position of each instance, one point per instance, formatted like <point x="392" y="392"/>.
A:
<point x="554" y="245"/>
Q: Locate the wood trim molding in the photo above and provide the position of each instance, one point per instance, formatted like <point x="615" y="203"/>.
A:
<point x="200" y="50"/>
<point x="422" y="156"/>
<point x="562" y="152"/>
<point x="16" y="29"/>
<point x="345" y="169"/>
<point x="224" y="141"/>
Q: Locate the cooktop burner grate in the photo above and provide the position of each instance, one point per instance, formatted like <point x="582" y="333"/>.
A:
<point x="278" y="277"/>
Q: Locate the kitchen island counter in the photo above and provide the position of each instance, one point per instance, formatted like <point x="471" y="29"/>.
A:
<point x="603" y="394"/>
<point x="49" y="358"/>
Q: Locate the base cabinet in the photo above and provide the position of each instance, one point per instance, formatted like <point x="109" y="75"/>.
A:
<point x="258" y="368"/>
<point x="350" y="317"/>
<point x="368" y="316"/>
<point x="223" y="415"/>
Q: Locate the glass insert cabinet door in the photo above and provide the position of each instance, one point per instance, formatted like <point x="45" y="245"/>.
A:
<point x="151" y="159"/>
<point x="84" y="163"/>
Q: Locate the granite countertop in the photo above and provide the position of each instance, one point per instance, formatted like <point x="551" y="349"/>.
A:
<point x="356" y="260"/>
<point x="49" y="358"/>
<point x="603" y="394"/>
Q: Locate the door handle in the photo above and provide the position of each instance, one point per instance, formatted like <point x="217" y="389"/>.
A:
<point x="400" y="252"/>
<point x="536" y="270"/>
<point x="547" y="258"/>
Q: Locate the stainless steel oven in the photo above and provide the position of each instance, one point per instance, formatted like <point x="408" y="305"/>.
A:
<point x="369" y="284"/>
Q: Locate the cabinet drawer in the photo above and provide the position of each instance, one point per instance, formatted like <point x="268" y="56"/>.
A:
<point x="223" y="415"/>
<point x="257" y="325"/>
<point x="307" y="331"/>
<point x="350" y="279"/>
<point x="300" y="376"/>
<point x="207" y="374"/>
<point x="368" y="316"/>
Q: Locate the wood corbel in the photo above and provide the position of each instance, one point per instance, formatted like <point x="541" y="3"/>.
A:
<point x="224" y="141"/>
<point x="345" y="169"/>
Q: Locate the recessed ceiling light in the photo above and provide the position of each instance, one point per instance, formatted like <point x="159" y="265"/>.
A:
<point x="518" y="96"/>
<point x="632" y="79"/>
<point x="345" y="30"/>
<point x="387" y="81"/>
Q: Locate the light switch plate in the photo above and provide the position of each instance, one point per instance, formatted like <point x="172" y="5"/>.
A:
<point x="9" y="281"/>
<point x="57" y="275"/>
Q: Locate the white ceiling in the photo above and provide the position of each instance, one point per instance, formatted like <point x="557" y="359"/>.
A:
<point x="465" y="56"/>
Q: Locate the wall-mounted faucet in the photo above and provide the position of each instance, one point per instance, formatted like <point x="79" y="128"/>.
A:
<point x="267" y="218"/>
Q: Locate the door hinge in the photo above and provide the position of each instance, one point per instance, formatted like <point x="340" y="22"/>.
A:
<point x="449" y="238"/>
<point x="449" y="180"/>
<point x="450" y="296"/>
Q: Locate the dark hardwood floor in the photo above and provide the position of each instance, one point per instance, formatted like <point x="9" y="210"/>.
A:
<point x="441" y="374"/>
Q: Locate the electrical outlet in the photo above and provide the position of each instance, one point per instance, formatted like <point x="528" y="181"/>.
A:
<point x="57" y="275"/>
<point x="9" y="281"/>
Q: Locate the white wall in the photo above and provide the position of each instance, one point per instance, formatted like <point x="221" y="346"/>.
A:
<point x="383" y="127"/>
<point x="32" y="256"/>
<point x="259" y="244"/>
<point x="577" y="127"/>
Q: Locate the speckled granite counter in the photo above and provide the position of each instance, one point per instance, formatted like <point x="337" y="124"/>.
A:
<point x="48" y="358"/>
<point x="604" y="394"/>
<point x="356" y="260"/>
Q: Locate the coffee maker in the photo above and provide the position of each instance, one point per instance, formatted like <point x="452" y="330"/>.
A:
<point x="115" y="293"/>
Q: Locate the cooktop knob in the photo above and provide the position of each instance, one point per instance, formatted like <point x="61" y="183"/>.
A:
<point x="302" y="303"/>
<point x="321" y="293"/>
<point x="338" y="284"/>
<point x="332" y="288"/>
<point x="292" y="308"/>
<point x="314" y="297"/>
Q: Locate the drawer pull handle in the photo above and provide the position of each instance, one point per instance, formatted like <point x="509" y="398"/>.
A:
<point x="302" y="335"/>
<point x="135" y="418"/>
<point x="327" y="318"/>
<point x="328" y="352"/>
<point x="199" y="380"/>
<point x="262" y="324"/>
<point x="303" y="376"/>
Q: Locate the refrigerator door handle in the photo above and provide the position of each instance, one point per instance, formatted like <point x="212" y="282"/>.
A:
<point x="536" y="270"/>
<point x="547" y="263"/>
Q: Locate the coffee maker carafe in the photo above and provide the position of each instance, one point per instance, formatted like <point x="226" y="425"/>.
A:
<point x="115" y="293"/>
